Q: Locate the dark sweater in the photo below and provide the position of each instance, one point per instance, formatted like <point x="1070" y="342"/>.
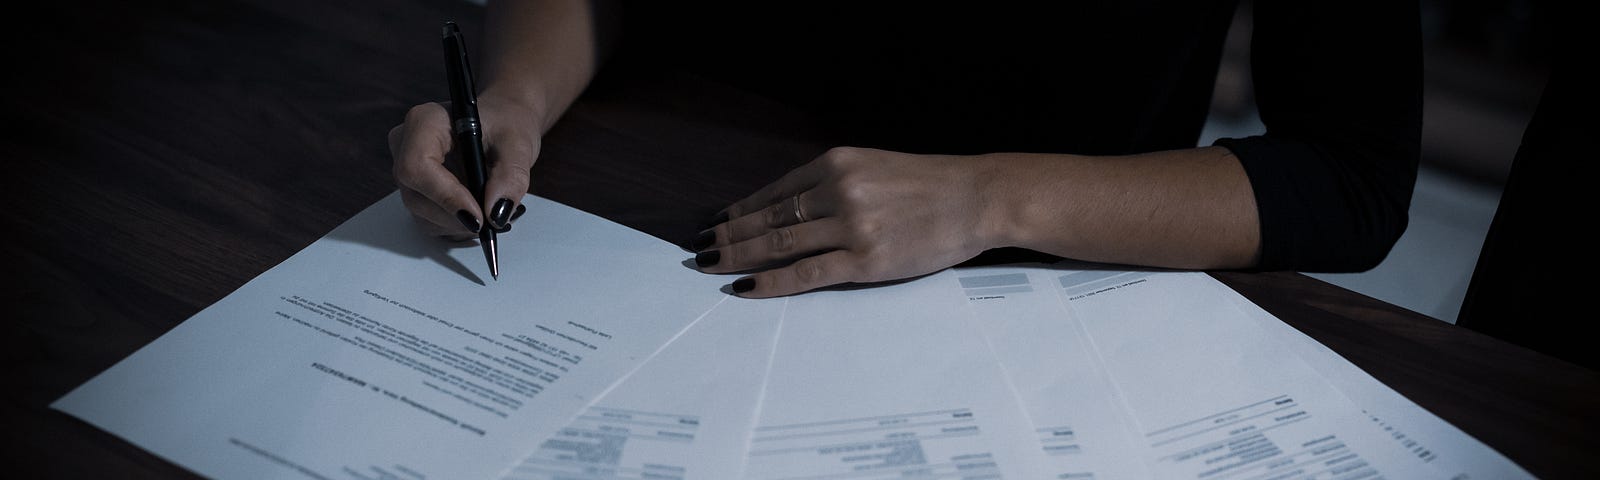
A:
<point x="1338" y="85"/>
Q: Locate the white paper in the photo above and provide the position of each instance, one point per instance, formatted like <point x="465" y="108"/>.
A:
<point x="685" y="414"/>
<point x="378" y="352"/>
<point x="888" y="382"/>
<point x="1077" y="420"/>
<point x="1213" y="395"/>
<point x="1421" y="434"/>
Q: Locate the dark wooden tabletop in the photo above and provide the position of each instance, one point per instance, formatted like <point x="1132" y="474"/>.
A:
<point x="160" y="154"/>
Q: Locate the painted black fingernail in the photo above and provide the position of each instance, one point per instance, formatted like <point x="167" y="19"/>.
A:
<point x="504" y="229"/>
<point x="703" y="240"/>
<point x="521" y="209"/>
<point x="501" y="213"/>
<point x="744" y="285"/>
<point x="707" y="258"/>
<point x="467" y="220"/>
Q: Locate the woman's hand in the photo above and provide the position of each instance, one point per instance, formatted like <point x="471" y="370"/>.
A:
<point x="854" y="215"/>
<point x="427" y="170"/>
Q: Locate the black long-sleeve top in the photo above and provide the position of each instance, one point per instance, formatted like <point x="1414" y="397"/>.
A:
<point x="1337" y="83"/>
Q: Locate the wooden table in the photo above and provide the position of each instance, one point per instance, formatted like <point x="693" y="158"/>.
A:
<point x="160" y="155"/>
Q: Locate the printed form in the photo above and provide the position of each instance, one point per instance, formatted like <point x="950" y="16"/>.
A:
<point x="1214" y="396"/>
<point x="685" y="414"/>
<point x="1026" y="332"/>
<point x="1077" y="419"/>
<point x="1419" y="432"/>
<point x="378" y="352"/>
<point x="889" y="382"/>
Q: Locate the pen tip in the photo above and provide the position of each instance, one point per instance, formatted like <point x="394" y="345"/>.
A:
<point x="492" y="253"/>
<point x="450" y="28"/>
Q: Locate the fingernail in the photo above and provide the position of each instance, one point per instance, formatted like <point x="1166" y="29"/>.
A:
<point x="707" y="258"/>
<point x="504" y="229"/>
<point x="703" y="240"/>
<point x="501" y="213"/>
<point x="467" y="220"/>
<point x="744" y="285"/>
<point x="521" y="209"/>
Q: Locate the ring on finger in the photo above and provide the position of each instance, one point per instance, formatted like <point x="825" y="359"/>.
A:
<point x="799" y="213"/>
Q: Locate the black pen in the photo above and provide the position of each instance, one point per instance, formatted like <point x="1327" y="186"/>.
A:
<point x="469" y="133"/>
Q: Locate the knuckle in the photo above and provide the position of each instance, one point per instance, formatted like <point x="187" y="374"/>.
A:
<point x="774" y="215"/>
<point x="730" y="233"/>
<point x="853" y="190"/>
<point x="809" y="273"/>
<point x="514" y="153"/>
<point x="520" y="173"/>
<point x="781" y="240"/>
<point x="862" y="230"/>
<point x="731" y="257"/>
<point x="420" y="113"/>
<point x="834" y="159"/>
<point x="841" y="154"/>
<point x="514" y="175"/>
<point x="395" y="135"/>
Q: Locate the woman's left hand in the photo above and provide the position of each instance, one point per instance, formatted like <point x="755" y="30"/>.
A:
<point x="854" y="215"/>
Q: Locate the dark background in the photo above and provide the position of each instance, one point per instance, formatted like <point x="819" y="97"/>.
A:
<point x="1484" y="66"/>
<point x="160" y="154"/>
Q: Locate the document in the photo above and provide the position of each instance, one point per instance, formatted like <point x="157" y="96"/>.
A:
<point x="1421" y="434"/>
<point x="685" y="414"/>
<point x="378" y="352"/>
<point x="1214" y="396"/>
<point x="1077" y="418"/>
<point x="888" y="382"/>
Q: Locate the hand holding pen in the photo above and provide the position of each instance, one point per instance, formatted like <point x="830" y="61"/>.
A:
<point x="433" y="163"/>
<point x="467" y="130"/>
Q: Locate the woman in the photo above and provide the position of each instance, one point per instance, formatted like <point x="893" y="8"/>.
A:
<point x="1066" y="132"/>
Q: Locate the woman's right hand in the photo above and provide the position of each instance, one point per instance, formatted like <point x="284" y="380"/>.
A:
<point x="427" y="168"/>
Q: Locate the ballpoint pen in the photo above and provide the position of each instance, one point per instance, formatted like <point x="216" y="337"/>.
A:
<point x="468" y="132"/>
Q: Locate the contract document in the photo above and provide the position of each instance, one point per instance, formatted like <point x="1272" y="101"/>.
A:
<point x="685" y="414"/>
<point x="1212" y="395"/>
<point x="889" y="382"/>
<point x="378" y="352"/>
<point x="1077" y="419"/>
<point x="1423" y="435"/>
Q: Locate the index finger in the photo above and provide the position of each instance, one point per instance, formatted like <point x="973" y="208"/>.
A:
<point x="419" y="147"/>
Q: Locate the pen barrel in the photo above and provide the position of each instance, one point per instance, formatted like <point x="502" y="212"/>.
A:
<point x="469" y="145"/>
<point x="464" y="123"/>
<point x="467" y="130"/>
<point x="458" y="71"/>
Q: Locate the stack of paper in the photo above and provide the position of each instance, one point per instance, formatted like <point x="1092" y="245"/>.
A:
<point x="377" y="353"/>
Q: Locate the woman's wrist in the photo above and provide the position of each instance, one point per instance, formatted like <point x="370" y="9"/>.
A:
<point x="1023" y="197"/>
<point x="1001" y="202"/>
<point x="525" y="107"/>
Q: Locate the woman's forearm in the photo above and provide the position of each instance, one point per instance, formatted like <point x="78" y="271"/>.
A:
<point x="1190" y="209"/>
<point x="541" y="53"/>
